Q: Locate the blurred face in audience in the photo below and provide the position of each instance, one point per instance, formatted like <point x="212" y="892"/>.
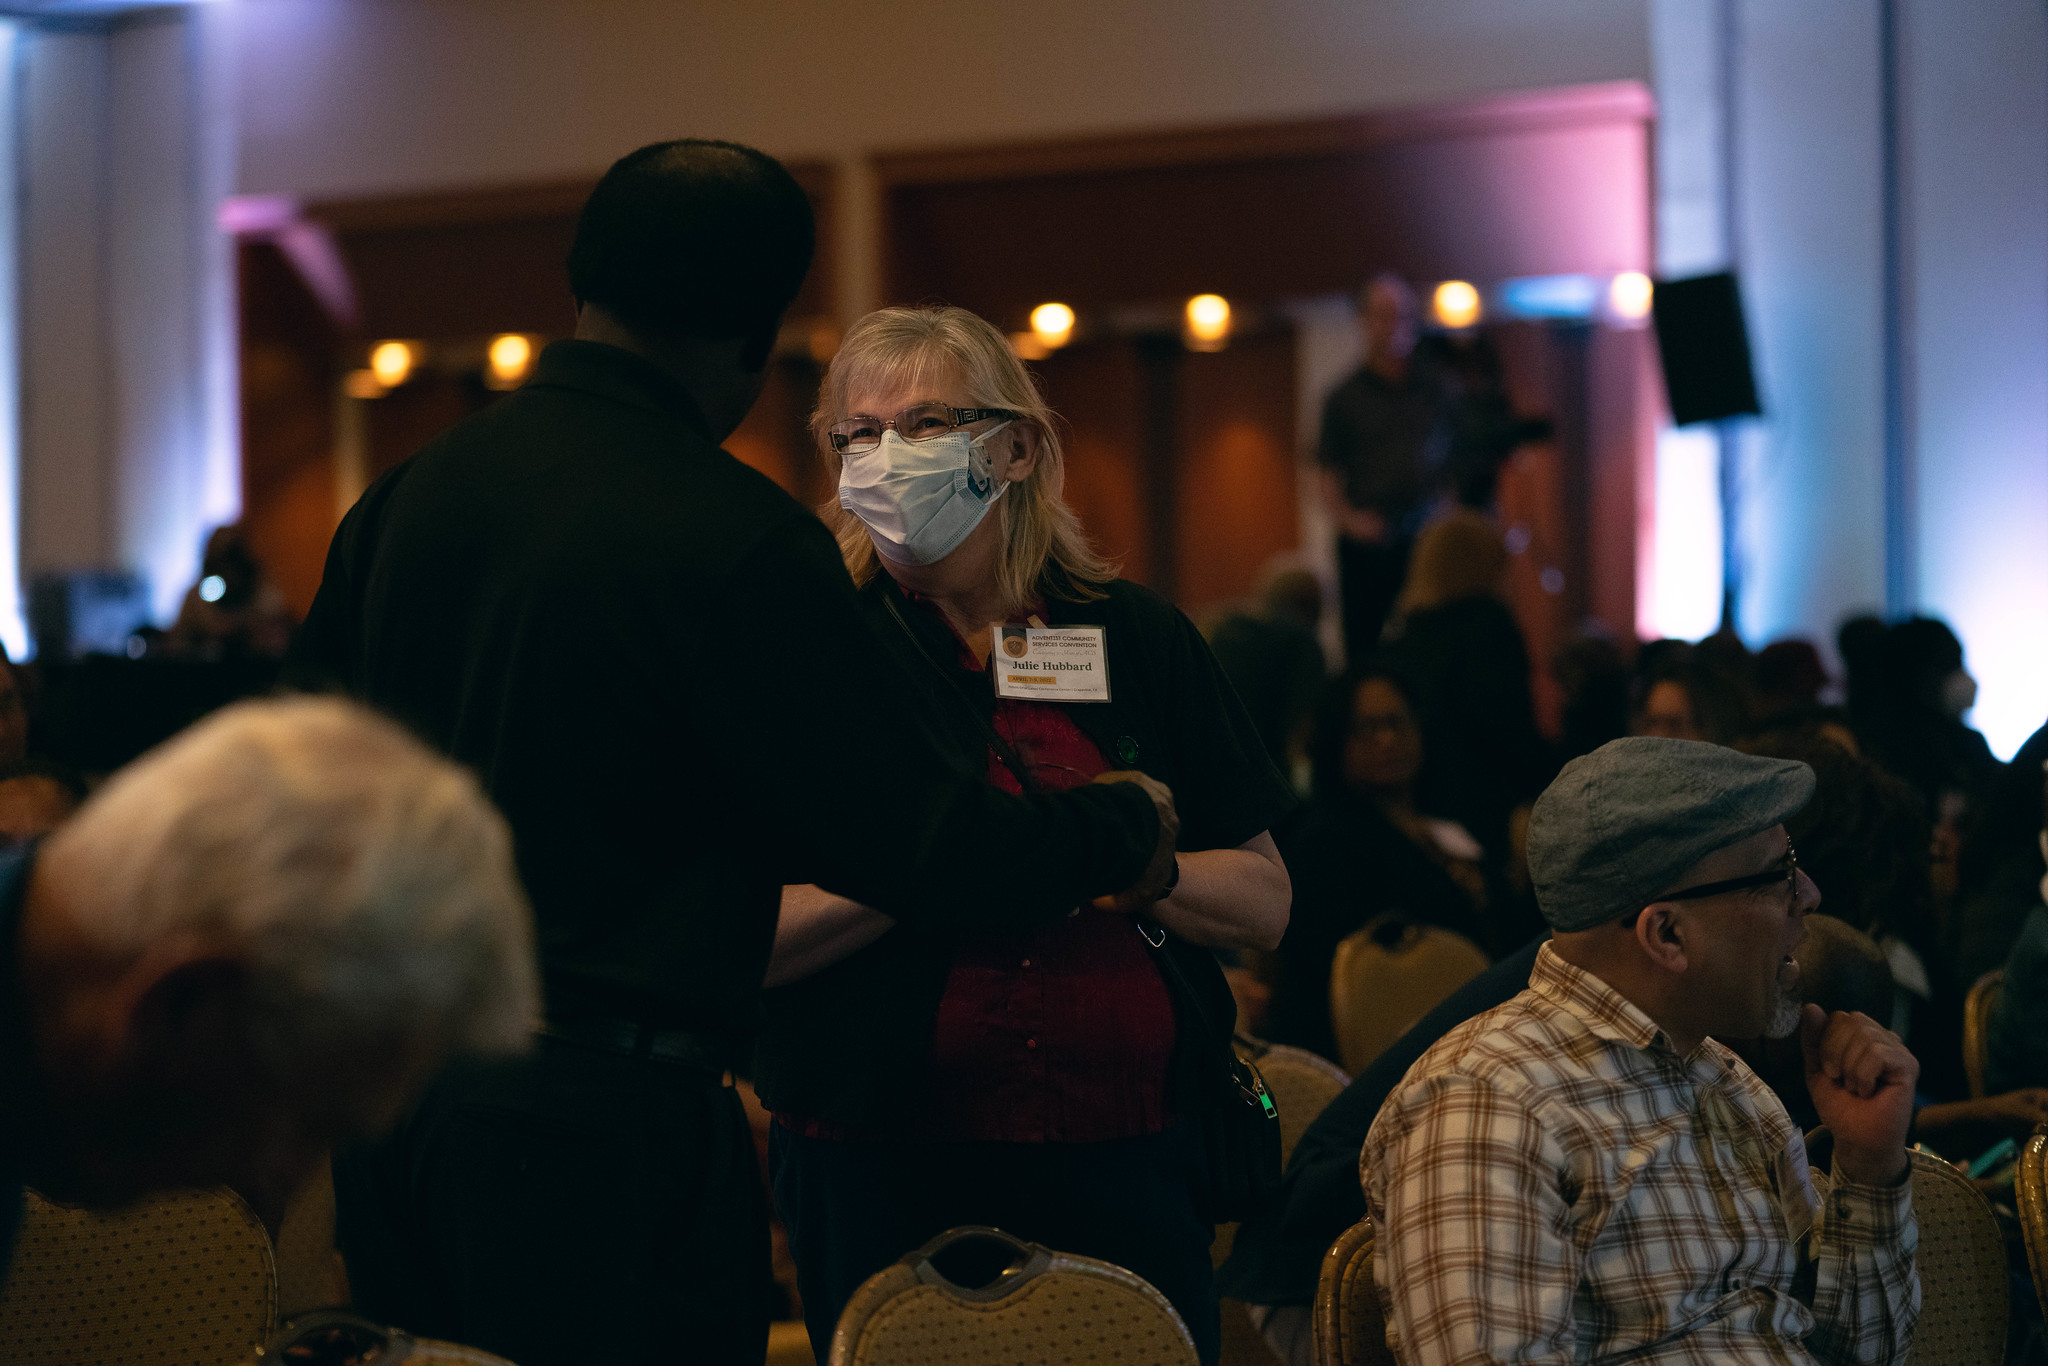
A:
<point x="1667" y="712"/>
<point x="1384" y="751"/>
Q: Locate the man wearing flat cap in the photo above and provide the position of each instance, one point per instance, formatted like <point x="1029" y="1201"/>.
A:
<point x="1585" y="1173"/>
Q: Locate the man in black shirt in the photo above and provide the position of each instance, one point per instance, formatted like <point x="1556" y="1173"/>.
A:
<point x="1380" y="454"/>
<point x="655" y="660"/>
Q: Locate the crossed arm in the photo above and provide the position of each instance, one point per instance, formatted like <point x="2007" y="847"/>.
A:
<point x="1226" y="899"/>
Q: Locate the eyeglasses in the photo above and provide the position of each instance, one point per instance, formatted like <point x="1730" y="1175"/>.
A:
<point x="859" y="435"/>
<point x="1788" y="874"/>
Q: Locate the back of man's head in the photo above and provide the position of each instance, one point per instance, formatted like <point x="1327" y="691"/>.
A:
<point x="262" y="937"/>
<point x="695" y="238"/>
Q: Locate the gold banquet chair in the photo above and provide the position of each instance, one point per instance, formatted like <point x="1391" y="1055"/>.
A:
<point x="2030" y="1193"/>
<point x="1978" y="1008"/>
<point x="1965" y="1288"/>
<point x="1350" y="1326"/>
<point x="1301" y="1084"/>
<point x="336" y="1335"/>
<point x="1389" y="975"/>
<point x="185" y="1280"/>
<point x="1044" y="1306"/>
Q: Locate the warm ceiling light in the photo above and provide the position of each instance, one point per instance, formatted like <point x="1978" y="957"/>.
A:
<point x="1028" y="346"/>
<point x="1053" y="325"/>
<point x="1456" y="304"/>
<point x="510" y="355"/>
<point x="391" y="362"/>
<point x="1629" y="295"/>
<point x="1208" y="321"/>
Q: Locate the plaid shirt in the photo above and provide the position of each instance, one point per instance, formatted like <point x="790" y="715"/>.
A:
<point x="1552" y="1182"/>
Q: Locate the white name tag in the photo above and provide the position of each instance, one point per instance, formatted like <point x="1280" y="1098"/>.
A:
<point x="1050" y="663"/>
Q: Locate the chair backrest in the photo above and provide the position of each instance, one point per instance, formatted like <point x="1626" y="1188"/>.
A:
<point x="310" y="1274"/>
<point x="1389" y="975"/>
<point x="1046" y="1306"/>
<point x="185" y="1280"/>
<point x="1965" y="1290"/>
<point x="324" y="1335"/>
<point x="1350" y="1325"/>
<point x="1978" y="1008"/>
<point x="1301" y="1084"/>
<point x="2030" y="1193"/>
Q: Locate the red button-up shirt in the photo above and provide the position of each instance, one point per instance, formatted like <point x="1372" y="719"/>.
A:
<point x="1055" y="1035"/>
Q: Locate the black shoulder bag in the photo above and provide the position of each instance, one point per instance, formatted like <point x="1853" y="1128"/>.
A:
<point x="1240" y="1123"/>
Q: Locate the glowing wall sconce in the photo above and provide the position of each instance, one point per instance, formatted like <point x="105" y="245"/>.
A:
<point x="510" y="358"/>
<point x="392" y="362"/>
<point x="1455" y="304"/>
<point x="362" y="384"/>
<point x="1052" y="325"/>
<point x="1207" y="322"/>
<point x="1629" y="295"/>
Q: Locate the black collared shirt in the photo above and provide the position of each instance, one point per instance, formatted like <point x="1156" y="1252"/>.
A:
<point x="655" y="661"/>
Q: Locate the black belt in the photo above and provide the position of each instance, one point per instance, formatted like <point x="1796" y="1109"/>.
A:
<point x="646" y="1043"/>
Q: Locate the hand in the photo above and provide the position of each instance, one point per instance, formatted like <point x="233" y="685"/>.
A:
<point x="1861" y="1079"/>
<point x="1140" y="895"/>
<point x="2015" y="1113"/>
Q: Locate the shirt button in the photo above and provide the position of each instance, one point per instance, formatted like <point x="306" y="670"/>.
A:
<point x="1031" y="1043"/>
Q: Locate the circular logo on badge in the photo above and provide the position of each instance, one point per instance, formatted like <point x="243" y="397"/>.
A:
<point x="1014" y="646"/>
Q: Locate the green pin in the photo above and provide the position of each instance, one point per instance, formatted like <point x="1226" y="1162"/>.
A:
<point x="1127" y="749"/>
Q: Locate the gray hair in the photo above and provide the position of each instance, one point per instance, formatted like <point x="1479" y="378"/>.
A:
<point x="367" y="882"/>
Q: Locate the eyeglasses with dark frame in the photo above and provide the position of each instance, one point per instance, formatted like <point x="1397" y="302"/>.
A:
<point x="1789" y="875"/>
<point x="920" y="422"/>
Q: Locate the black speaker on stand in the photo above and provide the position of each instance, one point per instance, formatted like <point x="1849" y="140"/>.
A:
<point x="1708" y="377"/>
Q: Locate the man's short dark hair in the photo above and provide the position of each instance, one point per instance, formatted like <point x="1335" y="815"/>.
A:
<point x="694" y="238"/>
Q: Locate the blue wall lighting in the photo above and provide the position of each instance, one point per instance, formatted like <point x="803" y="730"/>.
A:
<point x="1549" y="296"/>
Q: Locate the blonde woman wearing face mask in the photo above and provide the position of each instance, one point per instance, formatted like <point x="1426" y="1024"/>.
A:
<point x="1042" y="1080"/>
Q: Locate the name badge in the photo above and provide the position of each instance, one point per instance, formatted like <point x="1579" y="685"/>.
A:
<point x="1050" y="663"/>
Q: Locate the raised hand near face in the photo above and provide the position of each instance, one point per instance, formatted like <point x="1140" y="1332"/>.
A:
<point x="1861" y="1079"/>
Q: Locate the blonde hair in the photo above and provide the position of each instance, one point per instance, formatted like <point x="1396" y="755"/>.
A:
<point x="1043" y="548"/>
<point x="369" y="881"/>
<point x="1460" y="555"/>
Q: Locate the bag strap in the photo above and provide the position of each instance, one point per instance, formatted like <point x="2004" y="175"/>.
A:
<point x="1005" y="753"/>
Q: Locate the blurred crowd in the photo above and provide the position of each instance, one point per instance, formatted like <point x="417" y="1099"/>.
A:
<point x="1419" y="762"/>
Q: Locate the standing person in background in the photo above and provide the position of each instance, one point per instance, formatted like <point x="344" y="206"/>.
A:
<point x="1060" y="1069"/>
<point x="1459" y="647"/>
<point x="654" y="658"/>
<point x="1380" y="455"/>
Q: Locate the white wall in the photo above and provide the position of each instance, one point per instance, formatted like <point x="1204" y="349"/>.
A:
<point x="338" y="98"/>
<point x="1808" y="121"/>
<point x="126" y="300"/>
<point x="1976" y="162"/>
<point x="1810" y="247"/>
<point x="343" y="97"/>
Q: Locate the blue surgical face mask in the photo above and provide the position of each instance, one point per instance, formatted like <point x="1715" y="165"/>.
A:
<point x="919" y="499"/>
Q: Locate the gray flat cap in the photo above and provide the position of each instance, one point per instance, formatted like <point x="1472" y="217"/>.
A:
<point x="1622" y="824"/>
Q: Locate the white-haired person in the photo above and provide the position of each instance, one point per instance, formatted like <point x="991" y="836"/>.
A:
<point x="1045" y="1081"/>
<point x="256" y="941"/>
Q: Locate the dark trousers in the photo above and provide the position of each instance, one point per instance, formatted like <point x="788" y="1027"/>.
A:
<point x="569" y="1207"/>
<point x="853" y="1208"/>
<point x="1369" y="579"/>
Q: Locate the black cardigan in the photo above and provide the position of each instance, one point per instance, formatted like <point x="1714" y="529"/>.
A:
<point x="852" y="1043"/>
